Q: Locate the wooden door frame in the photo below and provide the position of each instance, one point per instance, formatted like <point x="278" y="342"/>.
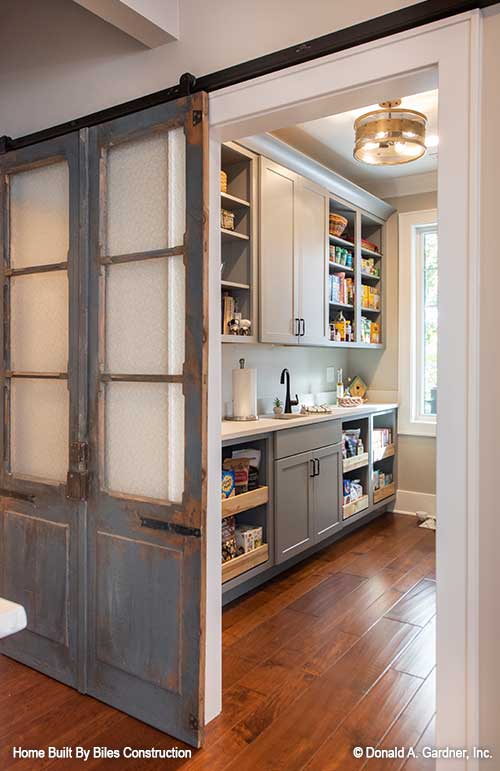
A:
<point x="178" y="527"/>
<point x="451" y="49"/>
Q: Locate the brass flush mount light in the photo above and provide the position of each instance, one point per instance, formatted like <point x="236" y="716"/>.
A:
<point x="390" y="136"/>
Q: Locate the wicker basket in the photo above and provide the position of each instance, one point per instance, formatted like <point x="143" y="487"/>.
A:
<point x="223" y="182"/>
<point x="338" y="224"/>
<point x="226" y="219"/>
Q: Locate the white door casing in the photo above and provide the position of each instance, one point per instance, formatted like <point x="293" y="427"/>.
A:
<point x="447" y="53"/>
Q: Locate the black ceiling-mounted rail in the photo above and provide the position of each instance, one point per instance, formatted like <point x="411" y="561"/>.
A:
<point x="365" y="32"/>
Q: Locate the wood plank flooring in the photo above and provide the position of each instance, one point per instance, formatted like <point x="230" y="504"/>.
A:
<point x="335" y="653"/>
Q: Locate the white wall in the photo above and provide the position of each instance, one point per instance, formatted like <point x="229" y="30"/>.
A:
<point x="489" y="523"/>
<point x="58" y="61"/>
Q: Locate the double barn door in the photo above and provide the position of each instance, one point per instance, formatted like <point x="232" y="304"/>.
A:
<point x="102" y="426"/>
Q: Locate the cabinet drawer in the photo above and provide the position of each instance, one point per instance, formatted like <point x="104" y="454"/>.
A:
<point x="291" y="441"/>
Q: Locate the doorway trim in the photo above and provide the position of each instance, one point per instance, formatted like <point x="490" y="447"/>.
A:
<point x="446" y="52"/>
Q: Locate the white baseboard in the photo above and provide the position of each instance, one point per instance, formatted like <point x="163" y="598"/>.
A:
<point x="409" y="502"/>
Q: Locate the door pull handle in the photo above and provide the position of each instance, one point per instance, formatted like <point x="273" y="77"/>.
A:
<point x="313" y="463"/>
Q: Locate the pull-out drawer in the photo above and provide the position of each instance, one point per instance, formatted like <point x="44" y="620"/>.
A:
<point x="291" y="441"/>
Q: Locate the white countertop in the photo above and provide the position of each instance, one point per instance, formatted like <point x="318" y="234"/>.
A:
<point x="235" y="429"/>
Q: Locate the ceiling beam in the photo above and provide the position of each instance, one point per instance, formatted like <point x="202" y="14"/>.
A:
<point x="152" y="22"/>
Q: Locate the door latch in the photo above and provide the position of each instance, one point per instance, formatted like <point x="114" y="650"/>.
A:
<point x="77" y="483"/>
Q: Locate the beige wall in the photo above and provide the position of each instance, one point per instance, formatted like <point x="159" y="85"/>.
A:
<point x="417" y="454"/>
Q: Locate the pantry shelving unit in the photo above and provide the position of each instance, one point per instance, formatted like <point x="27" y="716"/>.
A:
<point x="384" y="459"/>
<point x="364" y="319"/>
<point x="363" y="466"/>
<point x="255" y="508"/>
<point x="239" y="246"/>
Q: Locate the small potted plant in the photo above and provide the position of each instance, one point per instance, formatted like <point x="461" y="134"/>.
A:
<point x="278" y="406"/>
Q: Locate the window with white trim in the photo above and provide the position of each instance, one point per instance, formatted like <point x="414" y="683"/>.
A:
<point x="418" y="322"/>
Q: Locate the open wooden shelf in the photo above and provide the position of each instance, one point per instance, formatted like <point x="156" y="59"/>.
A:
<point x="232" y="202"/>
<point x="342" y="268"/>
<point x="386" y="452"/>
<point x="370" y="276"/>
<point x="233" y="235"/>
<point x="370" y="310"/>
<point x="342" y="305"/>
<point x="370" y="253"/>
<point x="233" y="285"/>
<point x="340" y="241"/>
<point x="245" y="501"/>
<point x="357" y="461"/>
<point x="350" y="509"/>
<point x="384" y="492"/>
<point x="244" y="562"/>
<point x="243" y="339"/>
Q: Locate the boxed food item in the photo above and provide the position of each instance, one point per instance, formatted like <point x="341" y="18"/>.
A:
<point x="229" y="546"/>
<point x="228" y="528"/>
<point x="248" y="537"/>
<point x="254" y="457"/>
<point x="240" y="466"/>
<point x="353" y="490"/>
<point x="228" y="487"/>
<point x="229" y="550"/>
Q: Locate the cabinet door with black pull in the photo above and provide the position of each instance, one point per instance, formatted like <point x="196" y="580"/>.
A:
<point x="327" y="491"/>
<point x="294" y="478"/>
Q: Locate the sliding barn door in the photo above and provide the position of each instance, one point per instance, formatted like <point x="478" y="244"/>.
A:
<point x="42" y="417"/>
<point x="147" y="415"/>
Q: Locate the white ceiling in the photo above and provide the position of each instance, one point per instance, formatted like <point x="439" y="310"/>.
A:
<point x="330" y="141"/>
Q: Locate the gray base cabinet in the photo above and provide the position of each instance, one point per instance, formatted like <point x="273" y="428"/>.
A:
<point x="293" y="505"/>
<point x="327" y="489"/>
<point x="305" y="474"/>
<point x="307" y="499"/>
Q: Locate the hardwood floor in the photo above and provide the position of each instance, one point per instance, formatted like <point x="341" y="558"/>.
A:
<point x="335" y="653"/>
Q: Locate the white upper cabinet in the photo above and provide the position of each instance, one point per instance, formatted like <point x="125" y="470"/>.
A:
<point x="293" y="261"/>
<point x="278" y="282"/>
<point x="311" y="233"/>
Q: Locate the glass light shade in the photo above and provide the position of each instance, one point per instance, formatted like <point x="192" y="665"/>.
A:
<point x="390" y="136"/>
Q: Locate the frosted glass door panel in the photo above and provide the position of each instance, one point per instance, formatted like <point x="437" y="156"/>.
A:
<point x="39" y="216"/>
<point x="144" y="443"/>
<point x="145" y="308"/>
<point x="146" y="197"/>
<point x="39" y="322"/>
<point x="176" y="314"/>
<point x="39" y="428"/>
<point x="176" y="187"/>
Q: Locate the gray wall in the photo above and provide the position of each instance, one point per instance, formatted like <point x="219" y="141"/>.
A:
<point x="417" y="454"/>
<point x="307" y="369"/>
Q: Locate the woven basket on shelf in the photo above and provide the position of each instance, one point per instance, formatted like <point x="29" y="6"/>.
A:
<point x="223" y="182"/>
<point x="338" y="224"/>
<point x="226" y="219"/>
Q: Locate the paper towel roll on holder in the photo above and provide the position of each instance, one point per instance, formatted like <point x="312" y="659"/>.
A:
<point x="244" y="393"/>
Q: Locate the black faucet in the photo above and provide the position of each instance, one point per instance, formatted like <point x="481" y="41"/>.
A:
<point x="289" y="403"/>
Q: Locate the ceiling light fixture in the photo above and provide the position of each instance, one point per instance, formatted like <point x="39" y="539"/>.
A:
<point x="390" y="136"/>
